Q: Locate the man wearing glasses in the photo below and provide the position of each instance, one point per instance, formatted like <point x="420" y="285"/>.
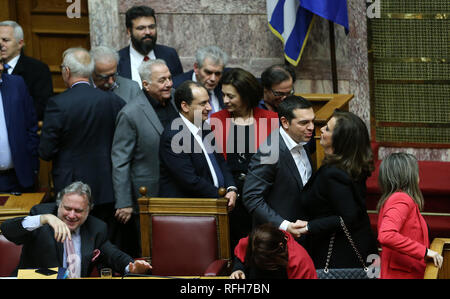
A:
<point x="105" y="74"/>
<point x="278" y="82"/>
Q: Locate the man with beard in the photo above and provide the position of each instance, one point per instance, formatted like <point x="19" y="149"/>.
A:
<point x="141" y="28"/>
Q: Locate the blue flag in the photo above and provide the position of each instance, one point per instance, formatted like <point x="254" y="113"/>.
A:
<point x="291" y="21"/>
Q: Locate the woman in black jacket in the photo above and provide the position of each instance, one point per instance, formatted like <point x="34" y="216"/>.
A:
<point x="338" y="190"/>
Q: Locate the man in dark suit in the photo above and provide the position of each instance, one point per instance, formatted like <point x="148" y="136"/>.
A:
<point x="208" y="70"/>
<point x="78" y="132"/>
<point x="141" y="28"/>
<point x="65" y="235"/>
<point x="189" y="165"/>
<point x="105" y="74"/>
<point x="19" y="141"/>
<point x="36" y="74"/>
<point x="280" y="169"/>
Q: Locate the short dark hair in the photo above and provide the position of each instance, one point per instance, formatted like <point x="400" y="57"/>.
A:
<point x="184" y="93"/>
<point x="248" y="87"/>
<point x="138" y="12"/>
<point x="276" y="74"/>
<point x="292" y="102"/>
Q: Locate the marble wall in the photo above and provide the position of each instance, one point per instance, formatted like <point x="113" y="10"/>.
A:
<point x="240" y="28"/>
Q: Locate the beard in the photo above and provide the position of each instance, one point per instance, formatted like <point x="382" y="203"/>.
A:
<point x="144" y="46"/>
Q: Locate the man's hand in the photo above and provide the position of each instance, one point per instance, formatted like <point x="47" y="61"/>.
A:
<point x="239" y="274"/>
<point x="297" y="228"/>
<point x="231" y="196"/>
<point x="61" y="229"/>
<point x="139" y="267"/>
<point x="123" y="215"/>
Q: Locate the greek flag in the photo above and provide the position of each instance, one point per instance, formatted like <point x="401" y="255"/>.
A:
<point x="291" y="21"/>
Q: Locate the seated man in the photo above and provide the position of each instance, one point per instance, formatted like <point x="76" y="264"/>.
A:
<point x="65" y="235"/>
<point x="189" y="166"/>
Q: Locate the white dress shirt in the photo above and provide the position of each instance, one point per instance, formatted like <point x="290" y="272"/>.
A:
<point x="196" y="131"/>
<point x="12" y="64"/>
<point x="6" y="161"/>
<point x="301" y="161"/>
<point x="136" y="59"/>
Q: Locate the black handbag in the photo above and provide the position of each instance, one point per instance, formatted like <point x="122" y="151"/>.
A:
<point x="343" y="273"/>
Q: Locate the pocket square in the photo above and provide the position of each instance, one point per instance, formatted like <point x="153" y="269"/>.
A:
<point x="95" y="255"/>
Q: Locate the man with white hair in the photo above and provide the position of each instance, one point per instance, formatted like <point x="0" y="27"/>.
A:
<point x="135" y="150"/>
<point x="78" y="132"/>
<point x="105" y="74"/>
<point x="35" y="73"/>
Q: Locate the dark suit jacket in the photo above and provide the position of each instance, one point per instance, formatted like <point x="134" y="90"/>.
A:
<point x="168" y="54"/>
<point x="38" y="79"/>
<point x="331" y="193"/>
<point x="40" y="249"/>
<point x="187" y="174"/>
<point x="21" y="124"/>
<point x="177" y="80"/>
<point x="273" y="183"/>
<point x="77" y="135"/>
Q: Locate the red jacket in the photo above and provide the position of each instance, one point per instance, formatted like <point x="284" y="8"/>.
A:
<point x="222" y="119"/>
<point x="300" y="264"/>
<point x="403" y="235"/>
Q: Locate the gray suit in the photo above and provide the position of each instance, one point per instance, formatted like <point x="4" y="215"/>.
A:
<point x="135" y="152"/>
<point x="127" y="89"/>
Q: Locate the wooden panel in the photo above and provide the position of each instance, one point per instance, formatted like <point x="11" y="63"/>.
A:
<point x="19" y="205"/>
<point x="7" y="10"/>
<point x="441" y="246"/>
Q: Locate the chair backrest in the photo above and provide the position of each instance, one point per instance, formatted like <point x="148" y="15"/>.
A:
<point x="184" y="235"/>
<point x="441" y="246"/>
<point x="9" y="256"/>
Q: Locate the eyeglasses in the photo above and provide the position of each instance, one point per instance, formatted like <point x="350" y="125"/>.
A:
<point x="106" y="77"/>
<point x="282" y="94"/>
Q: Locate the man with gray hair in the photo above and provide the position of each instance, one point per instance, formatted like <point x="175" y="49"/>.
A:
<point x="35" y="73"/>
<point x="65" y="235"/>
<point x="135" y="150"/>
<point x="208" y="69"/>
<point x="105" y="74"/>
<point x="78" y="132"/>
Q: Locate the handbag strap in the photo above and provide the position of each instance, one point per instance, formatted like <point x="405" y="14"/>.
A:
<point x="330" y="247"/>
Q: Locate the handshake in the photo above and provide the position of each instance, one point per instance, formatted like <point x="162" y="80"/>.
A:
<point x="298" y="228"/>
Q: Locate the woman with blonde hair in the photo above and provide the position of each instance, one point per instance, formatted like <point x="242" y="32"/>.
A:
<point x="402" y="231"/>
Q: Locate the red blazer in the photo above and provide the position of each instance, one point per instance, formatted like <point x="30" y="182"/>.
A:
<point x="221" y="121"/>
<point x="300" y="264"/>
<point x="403" y="235"/>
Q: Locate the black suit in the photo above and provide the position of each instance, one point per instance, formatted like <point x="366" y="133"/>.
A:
<point x="168" y="54"/>
<point x="77" y="136"/>
<point x="187" y="174"/>
<point x="40" y="249"/>
<point x="38" y="79"/>
<point x="272" y="185"/>
<point x="331" y="193"/>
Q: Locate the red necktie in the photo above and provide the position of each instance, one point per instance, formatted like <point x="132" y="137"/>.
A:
<point x="146" y="58"/>
<point x="72" y="259"/>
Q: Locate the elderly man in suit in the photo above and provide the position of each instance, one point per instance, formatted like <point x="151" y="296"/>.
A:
<point x="19" y="141"/>
<point x="65" y="235"/>
<point x="190" y="167"/>
<point x="36" y="74"/>
<point x="136" y="145"/>
<point x="208" y="69"/>
<point x="141" y="28"/>
<point x="280" y="169"/>
<point x="105" y="74"/>
<point x="78" y="132"/>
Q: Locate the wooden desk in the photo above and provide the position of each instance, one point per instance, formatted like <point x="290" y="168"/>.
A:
<point x="18" y="205"/>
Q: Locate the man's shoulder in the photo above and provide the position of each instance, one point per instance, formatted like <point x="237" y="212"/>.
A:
<point x="159" y="47"/>
<point x="179" y="79"/>
<point x="44" y="208"/>
<point x="32" y="62"/>
<point x="124" y="51"/>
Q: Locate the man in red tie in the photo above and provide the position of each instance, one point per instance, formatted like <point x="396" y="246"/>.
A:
<point x="65" y="235"/>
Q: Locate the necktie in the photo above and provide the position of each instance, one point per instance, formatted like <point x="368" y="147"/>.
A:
<point x="217" y="170"/>
<point x="302" y="166"/>
<point x="6" y="67"/>
<point x="73" y="260"/>
<point x="146" y="58"/>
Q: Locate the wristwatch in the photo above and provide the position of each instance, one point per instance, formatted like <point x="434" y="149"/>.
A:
<point x="233" y="188"/>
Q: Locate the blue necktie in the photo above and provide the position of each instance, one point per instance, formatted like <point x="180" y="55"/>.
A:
<point x="218" y="171"/>
<point x="6" y="67"/>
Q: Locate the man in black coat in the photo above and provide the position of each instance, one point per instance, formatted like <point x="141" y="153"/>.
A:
<point x="50" y="229"/>
<point x="35" y="73"/>
<point x="78" y="132"/>
<point x="281" y="167"/>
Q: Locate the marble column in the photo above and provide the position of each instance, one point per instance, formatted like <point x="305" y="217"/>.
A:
<point x="104" y="23"/>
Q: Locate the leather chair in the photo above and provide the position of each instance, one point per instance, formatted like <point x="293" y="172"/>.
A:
<point x="9" y="256"/>
<point x="185" y="236"/>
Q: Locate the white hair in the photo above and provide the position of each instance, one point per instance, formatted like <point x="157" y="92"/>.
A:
<point x="18" y="31"/>
<point x="103" y="53"/>
<point x="79" y="62"/>
<point x="216" y="54"/>
<point x="145" y="69"/>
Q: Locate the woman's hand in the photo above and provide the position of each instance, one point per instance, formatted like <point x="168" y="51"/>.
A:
<point x="436" y="257"/>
